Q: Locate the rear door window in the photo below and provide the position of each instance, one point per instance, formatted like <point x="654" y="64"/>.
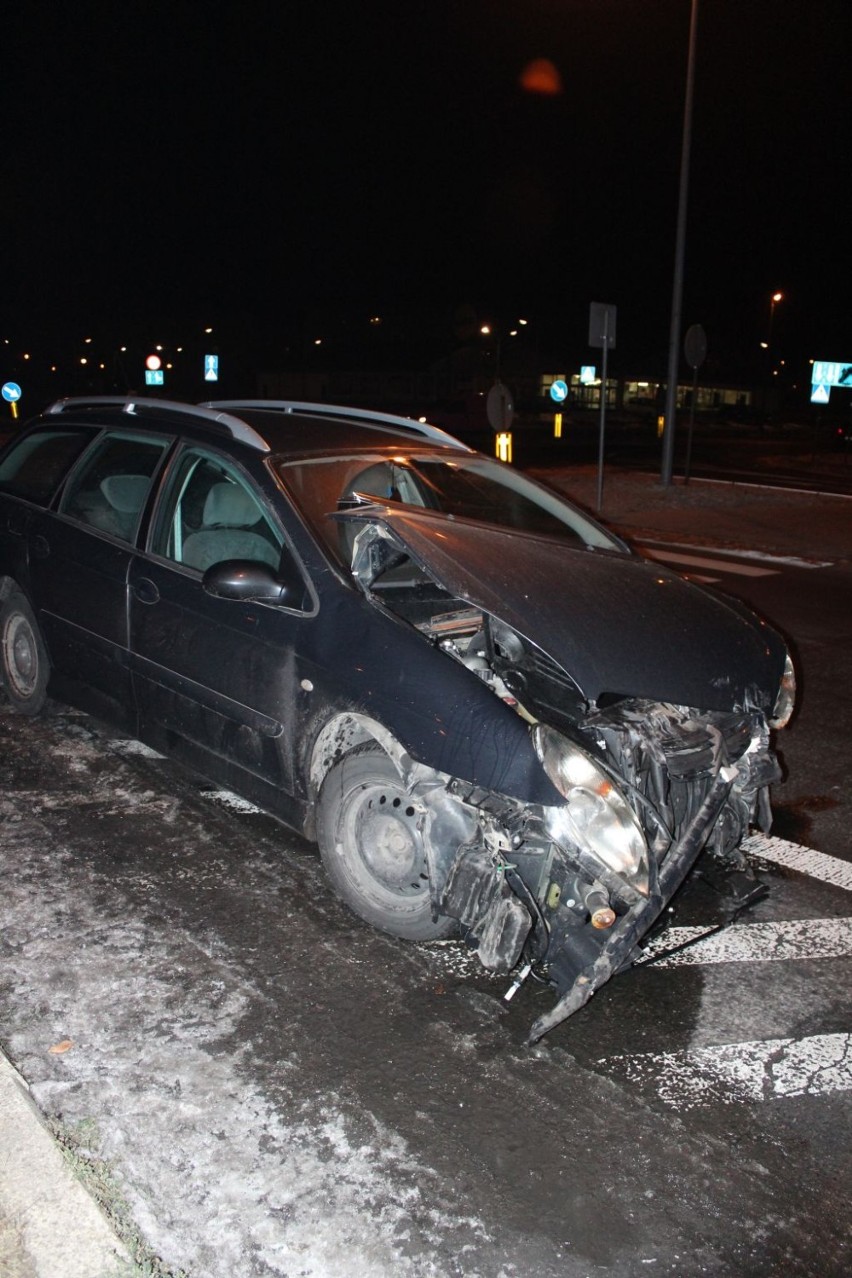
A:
<point x="37" y="464"/>
<point x="109" y="489"/>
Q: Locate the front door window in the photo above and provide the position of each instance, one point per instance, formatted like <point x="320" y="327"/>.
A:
<point x="212" y="515"/>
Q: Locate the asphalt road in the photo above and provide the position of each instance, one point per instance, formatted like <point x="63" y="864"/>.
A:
<point x="280" y="1090"/>
<point x="811" y="606"/>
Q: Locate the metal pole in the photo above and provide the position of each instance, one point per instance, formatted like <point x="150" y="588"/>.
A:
<point x="691" y="425"/>
<point x="601" y="426"/>
<point x="680" y="244"/>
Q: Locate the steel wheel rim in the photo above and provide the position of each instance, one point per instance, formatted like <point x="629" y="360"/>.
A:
<point x="20" y="655"/>
<point x="385" y="827"/>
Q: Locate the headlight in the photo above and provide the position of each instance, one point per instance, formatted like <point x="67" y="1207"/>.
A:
<point x="786" y="699"/>
<point x="597" y="817"/>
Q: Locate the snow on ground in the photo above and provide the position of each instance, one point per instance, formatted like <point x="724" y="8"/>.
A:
<point x="222" y="1179"/>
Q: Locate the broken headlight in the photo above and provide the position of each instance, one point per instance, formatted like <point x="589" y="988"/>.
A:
<point x="786" y="699"/>
<point x="596" y="817"/>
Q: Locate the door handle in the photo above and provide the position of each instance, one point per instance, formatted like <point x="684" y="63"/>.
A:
<point x="145" y="591"/>
<point x="41" y="546"/>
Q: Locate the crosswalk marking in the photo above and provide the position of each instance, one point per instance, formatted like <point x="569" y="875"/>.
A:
<point x="818" y="865"/>
<point x="764" y="1069"/>
<point x="730" y="552"/>
<point x="754" y="943"/>
<point x="760" y="1069"/>
<point x="753" y="1071"/>
<point x="702" y="561"/>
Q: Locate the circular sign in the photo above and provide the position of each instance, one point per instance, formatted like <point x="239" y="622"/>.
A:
<point x="11" y="392"/>
<point x="499" y="407"/>
<point x="559" y="391"/>
<point x="153" y="362"/>
<point x="695" y="346"/>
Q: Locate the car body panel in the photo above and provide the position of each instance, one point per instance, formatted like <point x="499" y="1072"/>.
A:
<point x="78" y="584"/>
<point x="566" y="728"/>
<point x="617" y="624"/>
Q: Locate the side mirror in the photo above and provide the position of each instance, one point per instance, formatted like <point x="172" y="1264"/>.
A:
<point x="250" y="579"/>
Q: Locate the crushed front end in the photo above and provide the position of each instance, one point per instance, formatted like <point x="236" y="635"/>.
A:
<point x="569" y="891"/>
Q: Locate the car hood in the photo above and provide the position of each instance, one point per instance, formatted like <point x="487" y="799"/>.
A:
<point x="615" y="623"/>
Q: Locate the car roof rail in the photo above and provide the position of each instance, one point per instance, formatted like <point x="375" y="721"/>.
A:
<point x="338" y="410"/>
<point x="132" y="404"/>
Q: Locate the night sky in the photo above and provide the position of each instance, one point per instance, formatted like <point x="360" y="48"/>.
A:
<point x="277" y="166"/>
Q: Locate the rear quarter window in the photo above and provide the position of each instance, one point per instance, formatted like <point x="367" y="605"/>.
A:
<point x="35" y="466"/>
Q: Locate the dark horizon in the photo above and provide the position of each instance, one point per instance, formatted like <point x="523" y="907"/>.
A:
<point x="266" y="166"/>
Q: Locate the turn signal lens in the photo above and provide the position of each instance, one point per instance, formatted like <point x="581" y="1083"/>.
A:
<point x="786" y="700"/>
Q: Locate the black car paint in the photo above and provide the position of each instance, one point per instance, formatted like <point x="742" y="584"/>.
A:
<point x="106" y="654"/>
<point x="619" y="625"/>
<point x="244" y="689"/>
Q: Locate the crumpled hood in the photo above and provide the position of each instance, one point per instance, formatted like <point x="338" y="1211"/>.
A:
<point x="615" y="623"/>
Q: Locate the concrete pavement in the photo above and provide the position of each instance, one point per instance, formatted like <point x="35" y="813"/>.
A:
<point x="49" y="1225"/>
<point x="722" y="513"/>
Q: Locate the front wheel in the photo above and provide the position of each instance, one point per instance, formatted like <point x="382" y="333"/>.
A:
<point x="370" y="837"/>
<point x="24" y="664"/>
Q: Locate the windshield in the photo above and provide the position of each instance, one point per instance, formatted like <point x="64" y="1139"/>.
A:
<point x="468" y="487"/>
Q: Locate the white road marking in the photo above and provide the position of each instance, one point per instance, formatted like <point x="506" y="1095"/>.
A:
<point x="762" y="1069"/>
<point x="762" y="556"/>
<point x="829" y="869"/>
<point x="701" y="561"/>
<point x="766" y="1069"/>
<point x="755" y="943"/>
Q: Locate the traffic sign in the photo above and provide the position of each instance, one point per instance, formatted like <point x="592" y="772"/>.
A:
<point x="499" y="407"/>
<point x="559" y="390"/>
<point x="820" y="392"/>
<point x="831" y="373"/>
<point x="11" y="392"/>
<point x="695" y="346"/>
<point x="602" y="318"/>
<point x="154" y="377"/>
<point x="211" y="368"/>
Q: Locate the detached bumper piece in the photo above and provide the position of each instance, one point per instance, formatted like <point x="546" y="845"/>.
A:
<point x="478" y="895"/>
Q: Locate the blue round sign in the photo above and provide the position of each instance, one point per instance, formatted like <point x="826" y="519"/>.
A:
<point x="11" y="392"/>
<point x="559" y="391"/>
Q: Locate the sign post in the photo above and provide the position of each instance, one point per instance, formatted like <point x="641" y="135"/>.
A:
<point x="602" y="333"/>
<point x="11" y="392"/>
<point x="500" y="410"/>
<point x="695" y="349"/>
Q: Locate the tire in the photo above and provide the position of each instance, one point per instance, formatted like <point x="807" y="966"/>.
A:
<point x="369" y="835"/>
<point x="24" y="664"/>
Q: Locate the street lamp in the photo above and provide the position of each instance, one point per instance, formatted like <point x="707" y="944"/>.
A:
<point x="680" y="245"/>
<point x="776" y="297"/>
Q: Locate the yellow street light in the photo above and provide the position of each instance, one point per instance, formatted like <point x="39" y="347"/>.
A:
<point x="773" y="301"/>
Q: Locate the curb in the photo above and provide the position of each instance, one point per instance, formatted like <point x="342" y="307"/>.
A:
<point x="49" y="1225"/>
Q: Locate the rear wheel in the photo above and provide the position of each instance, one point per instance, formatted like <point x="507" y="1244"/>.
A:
<point x="23" y="658"/>
<point x="369" y="831"/>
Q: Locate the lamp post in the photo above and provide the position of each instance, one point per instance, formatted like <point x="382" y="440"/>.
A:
<point x="490" y="330"/>
<point x="680" y="245"/>
<point x="773" y="301"/>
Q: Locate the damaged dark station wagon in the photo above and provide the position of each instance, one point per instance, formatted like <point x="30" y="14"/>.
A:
<point x="494" y="718"/>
